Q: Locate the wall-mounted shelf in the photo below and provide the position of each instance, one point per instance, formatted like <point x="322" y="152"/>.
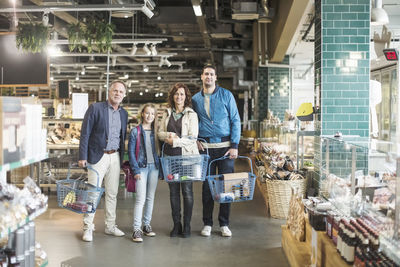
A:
<point x="21" y="163"/>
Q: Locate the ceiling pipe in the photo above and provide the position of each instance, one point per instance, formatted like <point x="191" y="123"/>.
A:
<point x="58" y="8"/>
<point x="118" y="41"/>
<point x="117" y="64"/>
<point x="113" y="55"/>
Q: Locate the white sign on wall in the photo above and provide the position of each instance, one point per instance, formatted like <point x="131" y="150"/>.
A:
<point x="80" y="103"/>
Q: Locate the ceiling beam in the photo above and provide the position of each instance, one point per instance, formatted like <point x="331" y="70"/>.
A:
<point x="283" y="27"/>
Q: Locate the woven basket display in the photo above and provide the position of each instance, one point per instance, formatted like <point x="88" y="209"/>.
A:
<point x="279" y="194"/>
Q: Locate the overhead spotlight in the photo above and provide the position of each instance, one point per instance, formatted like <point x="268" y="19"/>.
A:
<point x="51" y="78"/>
<point x="77" y="77"/>
<point x="114" y="61"/>
<point x="180" y="68"/>
<point x="156" y="95"/>
<point x="141" y="93"/>
<point x="133" y="50"/>
<point x="45" y="19"/>
<point x="83" y="70"/>
<point x="130" y="90"/>
<point x="161" y="62"/>
<point x="146" y="50"/>
<point x="153" y="50"/>
<point x="147" y="10"/>
<point x="158" y="77"/>
<point x="146" y="90"/>
<point x="145" y="68"/>
<point x="166" y="61"/>
<point x="197" y="8"/>
<point x="379" y="16"/>
<point x="161" y="94"/>
<point x="126" y="76"/>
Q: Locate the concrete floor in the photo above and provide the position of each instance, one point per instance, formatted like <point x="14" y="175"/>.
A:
<point x="255" y="241"/>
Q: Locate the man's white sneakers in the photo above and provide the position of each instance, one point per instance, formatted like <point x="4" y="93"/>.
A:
<point x="225" y="231"/>
<point x="114" y="231"/>
<point x="87" y="235"/>
<point x="206" y="230"/>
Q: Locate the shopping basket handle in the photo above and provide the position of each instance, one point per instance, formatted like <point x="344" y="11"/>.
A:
<point x="92" y="169"/>
<point x="227" y="157"/>
<point x="199" y="139"/>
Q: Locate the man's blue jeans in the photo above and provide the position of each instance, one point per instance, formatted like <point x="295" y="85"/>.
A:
<point x="223" y="166"/>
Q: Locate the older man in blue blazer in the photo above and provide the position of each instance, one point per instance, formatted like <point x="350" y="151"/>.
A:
<point x="101" y="146"/>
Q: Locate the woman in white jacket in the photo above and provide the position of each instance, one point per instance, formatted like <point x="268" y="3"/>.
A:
<point x="179" y="129"/>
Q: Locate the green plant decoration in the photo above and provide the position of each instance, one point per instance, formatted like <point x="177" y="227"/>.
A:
<point x="76" y="36"/>
<point x="97" y="33"/>
<point x="32" y="37"/>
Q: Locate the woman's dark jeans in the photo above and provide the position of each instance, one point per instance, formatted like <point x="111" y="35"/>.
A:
<point x="175" y="198"/>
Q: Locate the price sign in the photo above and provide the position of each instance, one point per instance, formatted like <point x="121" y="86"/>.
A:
<point x="391" y="54"/>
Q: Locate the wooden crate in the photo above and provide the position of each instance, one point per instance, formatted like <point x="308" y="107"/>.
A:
<point x="44" y="93"/>
<point x="298" y="253"/>
<point x="21" y="91"/>
<point x="18" y="175"/>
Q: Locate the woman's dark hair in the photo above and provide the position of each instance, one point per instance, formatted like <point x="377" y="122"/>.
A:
<point x="188" y="95"/>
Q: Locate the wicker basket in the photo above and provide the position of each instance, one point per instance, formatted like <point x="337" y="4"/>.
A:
<point x="279" y="193"/>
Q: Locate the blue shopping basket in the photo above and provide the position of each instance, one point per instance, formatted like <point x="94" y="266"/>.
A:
<point x="78" y="195"/>
<point x="183" y="168"/>
<point x="232" y="190"/>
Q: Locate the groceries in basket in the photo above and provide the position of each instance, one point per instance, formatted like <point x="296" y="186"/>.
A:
<point x="78" y="195"/>
<point x="236" y="186"/>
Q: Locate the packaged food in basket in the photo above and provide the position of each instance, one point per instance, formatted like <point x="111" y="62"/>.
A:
<point x="245" y="188"/>
<point x="69" y="198"/>
<point x="226" y="197"/>
<point x="79" y="206"/>
<point x="233" y="179"/>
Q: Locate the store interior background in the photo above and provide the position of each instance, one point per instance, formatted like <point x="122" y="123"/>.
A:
<point x="264" y="52"/>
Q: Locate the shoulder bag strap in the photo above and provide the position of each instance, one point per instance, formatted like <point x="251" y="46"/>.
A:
<point x="137" y="142"/>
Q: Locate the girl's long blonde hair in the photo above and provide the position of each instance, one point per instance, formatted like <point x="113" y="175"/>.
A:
<point x="154" y="124"/>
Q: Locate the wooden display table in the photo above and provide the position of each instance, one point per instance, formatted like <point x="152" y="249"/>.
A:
<point x="298" y="253"/>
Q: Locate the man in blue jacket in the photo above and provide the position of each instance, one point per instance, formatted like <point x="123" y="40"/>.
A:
<point x="219" y="125"/>
<point x="102" y="146"/>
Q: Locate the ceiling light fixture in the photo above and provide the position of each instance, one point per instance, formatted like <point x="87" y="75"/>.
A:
<point x="146" y="90"/>
<point x="161" y="62"/>
<point x="378" y="14"/>
<point x="145" y="68"/>
<point x="158" y="77"/>
<point x="147" y="7"/>
<point x="141" y="93"/>
<point x="161" y="94"/>
<point x="197" y="8"/>
<point x="133" y="50"/>
<point x="83" y="70"/>
<point x="77" y="77"/>
<point x="146" y="50"/>
<point x="130" y="90"/>
<point x="114" y="61"/>
<point x="153" y="50"/>
<point x="166" y="61"/>
<point x="45" y="19"/>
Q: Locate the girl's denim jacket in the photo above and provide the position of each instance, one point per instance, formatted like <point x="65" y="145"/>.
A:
<point x="136" y="165"/>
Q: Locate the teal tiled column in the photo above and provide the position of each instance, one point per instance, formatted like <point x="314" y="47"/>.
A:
<point x="342" y="33"/>
<point x="275" y="90"/>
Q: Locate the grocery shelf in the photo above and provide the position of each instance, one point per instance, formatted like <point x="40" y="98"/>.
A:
<point x="28" y="219"/>
<point x="21" y="163"/>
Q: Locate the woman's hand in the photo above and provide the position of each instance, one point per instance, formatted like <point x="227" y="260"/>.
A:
<point x="170" y="139"/>
<point x="137" y="177"/>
